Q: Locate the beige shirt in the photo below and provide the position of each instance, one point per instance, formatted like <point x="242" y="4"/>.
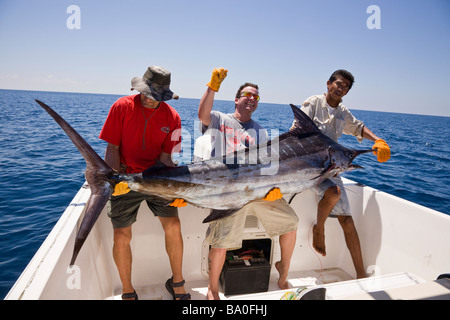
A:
<point x="335" y="124"/>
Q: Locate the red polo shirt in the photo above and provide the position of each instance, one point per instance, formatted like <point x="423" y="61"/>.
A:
<point x="125" y="127"/>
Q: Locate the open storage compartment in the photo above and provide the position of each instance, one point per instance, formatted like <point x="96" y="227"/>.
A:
<point x="247" y="270"/>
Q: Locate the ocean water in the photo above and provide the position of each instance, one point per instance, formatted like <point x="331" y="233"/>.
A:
<point x="41" y="170"/>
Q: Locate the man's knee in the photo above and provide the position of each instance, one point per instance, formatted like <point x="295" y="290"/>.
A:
<point x="347" y="223"/>
<point x="171" y="225"/>
<point x="122" y="236"/>
<point x="333" y="193"/>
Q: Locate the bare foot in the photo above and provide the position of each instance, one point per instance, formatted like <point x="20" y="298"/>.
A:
<point x="212" y="295"/>
<point x="282" y="281"/>
<point x="361" y="275"/>
<point x="319" y="240"/>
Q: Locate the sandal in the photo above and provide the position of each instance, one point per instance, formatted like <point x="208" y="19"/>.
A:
<point x="131" y="295"/>
<point x="180" y="296"/>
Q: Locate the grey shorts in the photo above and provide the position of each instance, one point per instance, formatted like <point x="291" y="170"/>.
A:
<point x="123" y="209"/>
<point x="277" y="217"/>
<point x="342" y="207"/>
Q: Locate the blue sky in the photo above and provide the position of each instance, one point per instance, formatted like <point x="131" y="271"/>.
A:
<point x="288" y="47"/>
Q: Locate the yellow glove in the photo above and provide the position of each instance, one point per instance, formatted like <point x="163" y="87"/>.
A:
<point x="178" y="203"/>
<point x="384" y="152"/>
<point x="121" y="188"/>
<point x="217" y="77"/>
<point x="274" y="194"/>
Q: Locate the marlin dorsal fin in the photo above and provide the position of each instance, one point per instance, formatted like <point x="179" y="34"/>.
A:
<point x="303" y="123"/>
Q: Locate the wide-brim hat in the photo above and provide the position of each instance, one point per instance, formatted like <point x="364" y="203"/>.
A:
<point x="154" y="84"/>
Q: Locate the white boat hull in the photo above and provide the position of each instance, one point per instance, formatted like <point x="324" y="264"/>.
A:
<point x="403" y="244"/>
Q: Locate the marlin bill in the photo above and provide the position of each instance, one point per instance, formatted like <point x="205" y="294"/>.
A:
<point x="294" y="161"/>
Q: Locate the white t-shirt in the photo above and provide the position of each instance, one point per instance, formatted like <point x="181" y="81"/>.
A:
<point x="227" y="134"/>
<point x="340" y="121"/>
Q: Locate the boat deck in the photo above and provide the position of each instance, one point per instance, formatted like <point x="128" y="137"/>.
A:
<point x="198" y="289"/>
<point x="339" y="286"/>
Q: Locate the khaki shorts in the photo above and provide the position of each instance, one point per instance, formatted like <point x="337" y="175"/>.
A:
<point x="342" y="207"/>
<point x="123" y="209"/>
<point x="277" y="217"/>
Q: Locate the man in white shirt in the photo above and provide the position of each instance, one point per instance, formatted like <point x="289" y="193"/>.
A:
<point x="333" y="119"/>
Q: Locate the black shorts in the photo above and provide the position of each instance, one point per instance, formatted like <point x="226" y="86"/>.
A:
<point x="123" y="209"/>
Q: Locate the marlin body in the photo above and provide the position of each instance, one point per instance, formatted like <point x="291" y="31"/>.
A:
<point x="295" y="161"/>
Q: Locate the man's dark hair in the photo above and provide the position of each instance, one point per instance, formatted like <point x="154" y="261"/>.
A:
<point x="344" y="74"/>
<point x="247" y="84"/>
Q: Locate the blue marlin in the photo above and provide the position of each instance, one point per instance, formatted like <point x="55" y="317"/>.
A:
<point x="295" y="161"/>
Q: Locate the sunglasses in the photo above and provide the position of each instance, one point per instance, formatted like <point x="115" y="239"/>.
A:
<point x="249" y="95"/>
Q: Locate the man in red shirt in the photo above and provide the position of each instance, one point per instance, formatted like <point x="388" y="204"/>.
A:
<point x="141" y="130"/>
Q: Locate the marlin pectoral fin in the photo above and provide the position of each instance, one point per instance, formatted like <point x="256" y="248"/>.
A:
<point x="94" y="207"/>
<point x="327" y="169"/>
<point x="354" y="167"/>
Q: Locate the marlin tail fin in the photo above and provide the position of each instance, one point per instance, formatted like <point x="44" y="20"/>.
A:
<point x="97" y="176"/>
